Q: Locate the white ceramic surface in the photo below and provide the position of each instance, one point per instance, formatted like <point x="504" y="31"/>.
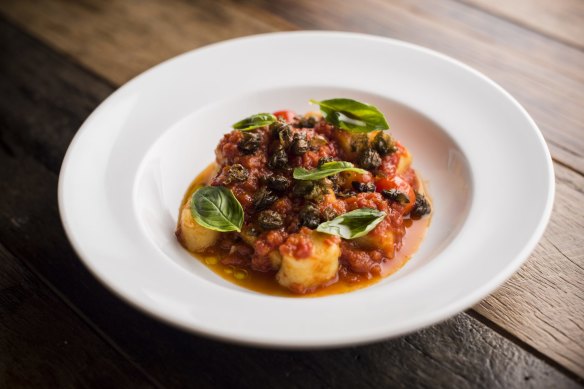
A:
<point x="485" y="163"/>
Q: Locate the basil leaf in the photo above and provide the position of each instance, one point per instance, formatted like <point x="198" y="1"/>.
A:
<point x="353" y="224"/>
<point x="352" y="115"/>
<point x="255" y="121"/>
<point x="325" y="170"/>
<point x="216" y="208"/>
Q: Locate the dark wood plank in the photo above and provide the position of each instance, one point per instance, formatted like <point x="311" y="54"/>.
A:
<point x="460" y="352"/>
<point x="44" y="344"/>
<point x="29" y="104"/>
<point x="30" y="90"/>
<point x="550" y="315"/>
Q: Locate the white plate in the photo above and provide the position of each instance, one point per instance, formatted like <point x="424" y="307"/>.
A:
<point x="486" y="164"/>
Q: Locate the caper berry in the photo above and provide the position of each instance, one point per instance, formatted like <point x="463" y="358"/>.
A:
<point x="263" y="198"/>
<point x="421" y="207"/>
<point x="309" y="217"/>
<point x="250" y="143"/>
<point x="299" y="145"/>
<point x="363" y="186"/>
<point x="279" y="159"/>
<point x="236" y="173"/>
<point x="302" y="188"/>
<point x="395" y="196"/>
<point x="369" y="159"/>
<point x="278" y="183"/>
<point x="270" y="220"/>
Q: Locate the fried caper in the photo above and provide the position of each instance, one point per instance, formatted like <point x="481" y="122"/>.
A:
<point x="395" y="196"/>
<point x="309" y="216"/>
<point x="279" y="159"/>
<point x="236" y="173"/>
<point x="369" y="159"/>
<point x="421" y="207"/>
<point x="363" y="186"/>
<point x="263" y="198"/>
<point x="278" y="183"/>
<point x="250" y="142"/>
<point x="270" y="220"/>
<point x="302" y="188"/>
<point x="382" y="144"/>
<point x="277" y="127"/>
<point x="324" y="160"/>
<point x="299" y="145"/>
<point x="308" y="122"/>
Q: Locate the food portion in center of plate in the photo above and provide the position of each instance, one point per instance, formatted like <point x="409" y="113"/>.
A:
<point x="317" y="204"/>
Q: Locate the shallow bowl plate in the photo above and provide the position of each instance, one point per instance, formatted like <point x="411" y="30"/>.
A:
<point x="477" y="149"/>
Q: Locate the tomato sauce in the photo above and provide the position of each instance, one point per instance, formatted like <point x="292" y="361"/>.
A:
<point x="234" y="267"/>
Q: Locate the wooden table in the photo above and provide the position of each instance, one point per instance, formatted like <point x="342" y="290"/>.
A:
<point x="60" y="328"/>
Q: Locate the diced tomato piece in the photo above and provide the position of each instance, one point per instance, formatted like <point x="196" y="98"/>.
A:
<point x="397" y="183"/>
<point x="285" y="115"/>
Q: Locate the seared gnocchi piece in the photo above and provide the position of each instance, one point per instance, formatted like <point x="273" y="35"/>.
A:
<point x="310" y="260"/>
<point x="405" y="161"/>
<point x="384" y="242"/>
<point x="191" y="234"/>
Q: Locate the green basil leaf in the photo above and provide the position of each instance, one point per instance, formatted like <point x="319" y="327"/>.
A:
<point x="255" y="121"/>
<point x="216" y="208"/>
<point x="352" y="115"/>
<point x="325" y="170"/>
<point x="353" y="224"/>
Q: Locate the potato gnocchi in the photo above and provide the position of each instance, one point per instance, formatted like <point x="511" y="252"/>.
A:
<point x="304" y="203"/>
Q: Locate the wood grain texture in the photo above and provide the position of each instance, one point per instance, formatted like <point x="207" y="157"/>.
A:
<point x="560" y="19"/>
<point x="546" y="77"/>
<point x="543" y="304"/>
<point x="123" y="38"/>
<point x="44" y="344"/>
<point x="461" y="352"/>
<point x="128" y="37"/>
